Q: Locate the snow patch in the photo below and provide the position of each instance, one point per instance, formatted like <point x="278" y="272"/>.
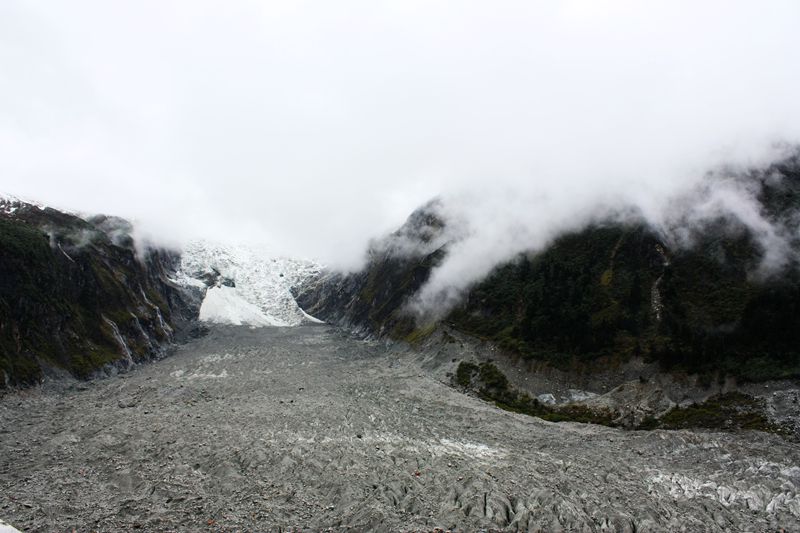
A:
<point x="9" y="204"/>
<point x="5" y="528"/>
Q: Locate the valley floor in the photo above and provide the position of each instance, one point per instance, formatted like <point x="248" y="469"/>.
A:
<point x="279" y="428"/>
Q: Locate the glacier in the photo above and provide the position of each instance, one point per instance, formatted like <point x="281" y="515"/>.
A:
<point x="245" y="284"/>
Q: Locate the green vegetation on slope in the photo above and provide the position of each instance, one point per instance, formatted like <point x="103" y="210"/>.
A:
<point x="730" y="411"/>
<point x="599" y="296"/>
<point x="591" y="296"/>
<point x="492" y="385"/>
<point x="58" y="288"/>
<point x="586" y="295"/>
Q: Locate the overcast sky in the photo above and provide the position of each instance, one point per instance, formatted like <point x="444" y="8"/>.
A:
<point x="314" y="126"/>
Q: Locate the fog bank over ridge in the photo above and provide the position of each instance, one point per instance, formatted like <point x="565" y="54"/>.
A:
<point x="311" y="128"/>
<point x="485" y="230"/>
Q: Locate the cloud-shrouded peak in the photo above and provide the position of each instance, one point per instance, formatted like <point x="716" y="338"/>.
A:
<point x="485" y="231"/>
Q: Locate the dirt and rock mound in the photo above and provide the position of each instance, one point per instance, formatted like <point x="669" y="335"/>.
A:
<point x="262" y="429"/>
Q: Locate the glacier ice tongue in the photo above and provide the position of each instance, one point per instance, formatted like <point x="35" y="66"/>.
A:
<point x="261" y="295"/>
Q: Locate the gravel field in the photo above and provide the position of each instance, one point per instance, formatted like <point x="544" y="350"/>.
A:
<point x="305" y="428"/>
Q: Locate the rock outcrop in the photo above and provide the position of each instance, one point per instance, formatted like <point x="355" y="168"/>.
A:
<point x="77" y="295"/>
<point x="371" y="302"/>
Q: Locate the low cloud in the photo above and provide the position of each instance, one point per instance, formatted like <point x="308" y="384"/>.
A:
<point x="311" y="127"/>
<point x="495" y="226"/>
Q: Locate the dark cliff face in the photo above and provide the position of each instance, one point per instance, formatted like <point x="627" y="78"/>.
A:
<point x="76" y="295"/>
<point x="606" y="293"/>
<point x="371" y="302"/>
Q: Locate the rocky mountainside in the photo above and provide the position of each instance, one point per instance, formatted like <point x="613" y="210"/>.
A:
<point x="76" y="295"/>
<point x="603" y="295"/>
<point x="372" y="301"/>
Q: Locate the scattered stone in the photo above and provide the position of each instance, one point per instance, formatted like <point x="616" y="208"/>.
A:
<point x="127" y="403"/>
<point x="256" y="468"/>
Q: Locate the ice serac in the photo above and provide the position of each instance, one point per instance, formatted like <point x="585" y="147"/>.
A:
<point x="78" y="295"/>
<point x="245" y="284"/>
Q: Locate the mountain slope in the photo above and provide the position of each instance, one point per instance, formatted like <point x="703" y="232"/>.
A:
<point x="76" y="295"/>
<point x="372" y="301"/>
<point x="614" y="290"/>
